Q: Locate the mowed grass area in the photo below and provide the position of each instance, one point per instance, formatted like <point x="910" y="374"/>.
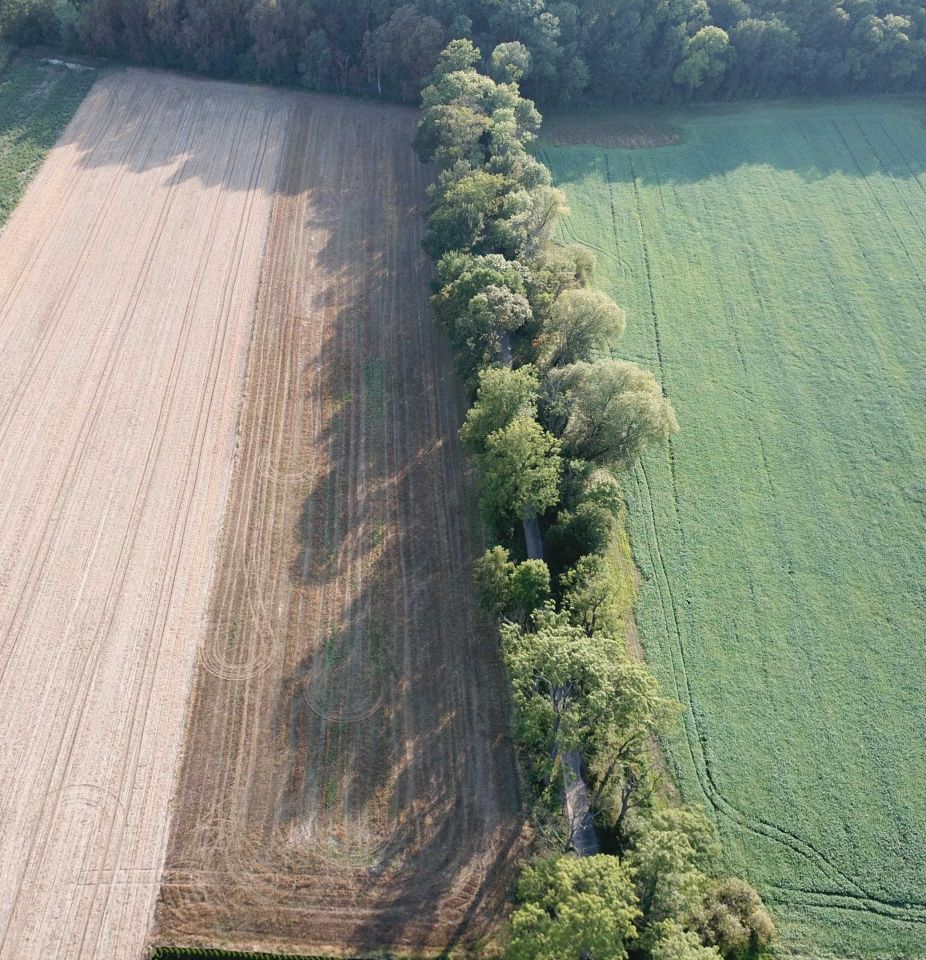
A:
<point x="773" y="264"/>
<point x="36" y="102"/>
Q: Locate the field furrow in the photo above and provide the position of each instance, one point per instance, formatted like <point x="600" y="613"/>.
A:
<point x="127" y="284"/>
<point x="347" y="782"/>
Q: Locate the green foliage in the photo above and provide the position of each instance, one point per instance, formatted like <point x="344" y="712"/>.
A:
<point x="519" y="470"/>
<point x="609" y="411"/>
<point x="669" y="940"/>
<point x="670" y="853"/>
<point x="776" y="544"/>
<point x="27" y="22"/>
<point x="510" y="590"/>
<point x="503" y="395"/>
<point x="581" y="323"/>
<point x="403" y="49"/>
<point x="734" y="920"/>
<point x="587" y="595"/>
<point x="462" y="276"/>
<point x="464" y="113"/>
<point x="644" y="904"/>
<point x="510" y="61"/>
<point x="561" y="679"/>
<point x="530" y="587"/>
<point x="500" y="309"/>
<point x="620" y="769"/>
<point x="494" y="209"/>
<point x="36" y="102"/>
<point x="565" y="52"/>
<point x="478" y="298"/>
<point x="585" y="529"/>
<point x="571" y="908"/>
<point x="465" y="208"/>
<point x="705" y="56"/>
<point x="493" y="572"/>
<point x="315" y="63"/>
<point x="579" y="691"/>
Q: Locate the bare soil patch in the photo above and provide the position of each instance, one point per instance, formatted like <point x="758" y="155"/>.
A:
<point x="128" y="278"/>
<point x="609" y="128"/>
<point x="348" y="782"/>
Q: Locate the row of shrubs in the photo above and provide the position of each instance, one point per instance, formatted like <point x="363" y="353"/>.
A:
<point x="553" y="422"/>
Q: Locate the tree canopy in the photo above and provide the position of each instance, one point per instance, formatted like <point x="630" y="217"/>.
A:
<point x="520" y="469"/>
<point x="572" y="908"/>
<point x="609" y="410"/>
<point x="581" y="322"/>
<point x="563" y="52"/>
<point x="502" y="395"/>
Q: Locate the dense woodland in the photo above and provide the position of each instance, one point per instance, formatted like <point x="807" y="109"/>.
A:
<point x="565" y="52"/>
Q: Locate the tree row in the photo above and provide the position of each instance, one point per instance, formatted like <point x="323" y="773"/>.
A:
<point x="567" y="51"/>
<point x="555" y="419"/>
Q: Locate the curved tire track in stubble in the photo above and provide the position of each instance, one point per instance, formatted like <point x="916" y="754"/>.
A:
<point x="358" y="789"/>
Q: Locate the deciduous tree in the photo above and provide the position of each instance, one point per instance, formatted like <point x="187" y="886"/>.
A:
<point x="574" y="909"/>
<point x="608" y="411"/>
<point x="734" y="920"/>
<point x="520" y="469"/>
<point x="502" y="396"/>
<point x="581" y="323"/>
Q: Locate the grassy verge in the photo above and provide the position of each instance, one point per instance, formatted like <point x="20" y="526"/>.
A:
<point x="181" y="953"/>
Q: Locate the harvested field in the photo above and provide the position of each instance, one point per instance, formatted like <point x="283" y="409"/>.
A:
<point x="127" y="285"/>
<point x="348" y="783"/>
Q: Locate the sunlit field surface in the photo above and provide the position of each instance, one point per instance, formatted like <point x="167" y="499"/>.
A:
<point x="773" y="265"/>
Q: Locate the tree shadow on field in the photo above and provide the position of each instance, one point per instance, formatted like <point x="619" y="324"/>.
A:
<point x="374" y="784"/>
<point x="398" y="769"/>
<point x="399" y="792"/>
<point x="217" y="132"/>
<point x="812" y="139"/>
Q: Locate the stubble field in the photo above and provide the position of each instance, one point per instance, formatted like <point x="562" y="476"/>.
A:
<point x="232" y="496"/>
<point x="127" y="279"/>
<point x="772" y="266"/>
<point x="348" y="782"/>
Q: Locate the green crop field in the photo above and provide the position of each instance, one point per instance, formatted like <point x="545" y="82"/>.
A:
<point x="773" y="264"/>
<point x="36" y="102"/>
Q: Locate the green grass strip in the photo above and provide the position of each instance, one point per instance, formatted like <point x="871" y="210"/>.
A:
<point x="37" y="100"/>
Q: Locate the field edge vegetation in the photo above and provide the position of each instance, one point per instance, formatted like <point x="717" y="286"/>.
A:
<point x="552" y="420"/>
<point x="37" y="101"/>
